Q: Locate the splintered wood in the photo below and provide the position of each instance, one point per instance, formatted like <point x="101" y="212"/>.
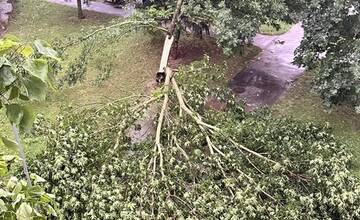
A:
<point x="166" y="53"/>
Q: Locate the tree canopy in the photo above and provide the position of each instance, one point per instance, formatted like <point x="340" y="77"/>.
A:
<point x="331" y="49"/>
<point x="234" y="23"/>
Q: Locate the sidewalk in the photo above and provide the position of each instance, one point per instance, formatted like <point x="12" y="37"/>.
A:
<point x="99" y="7"/>
<point x="268" y="77"/>
<point x="6" y="9"/>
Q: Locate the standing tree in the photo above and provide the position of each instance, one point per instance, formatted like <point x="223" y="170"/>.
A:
<point x="331" y="48"/>
<point x="79" y="9"/>
<point x="234" y="22"/>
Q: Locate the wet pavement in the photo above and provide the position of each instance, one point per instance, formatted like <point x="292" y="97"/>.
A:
<point x="99" y="7"/>
<point x="271" y="73"/>
<point x="6" y="9"/>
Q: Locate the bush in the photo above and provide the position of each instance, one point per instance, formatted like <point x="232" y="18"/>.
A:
<point x="283" y="169"/>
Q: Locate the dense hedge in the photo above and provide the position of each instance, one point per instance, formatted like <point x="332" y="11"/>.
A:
<point x="97" y="173"/>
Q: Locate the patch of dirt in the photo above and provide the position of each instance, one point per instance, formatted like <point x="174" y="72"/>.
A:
<point x="189" y="52"/>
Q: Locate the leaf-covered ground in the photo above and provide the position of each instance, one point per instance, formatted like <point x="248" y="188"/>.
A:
<point x="303" y="105"/>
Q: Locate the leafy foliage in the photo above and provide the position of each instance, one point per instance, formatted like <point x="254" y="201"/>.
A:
<point x="234" y="22"/>
<point x="97" y="172"/>
<point x="331" y="49"/>
<point x="20" y="201"/>
<point x="77" y="69"/>
<point x="25" y="74"/>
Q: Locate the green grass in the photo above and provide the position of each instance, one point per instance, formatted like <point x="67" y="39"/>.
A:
<point x="301" y="104"/>
<point x="135" y="58"/>
<point x="271" y="30"/>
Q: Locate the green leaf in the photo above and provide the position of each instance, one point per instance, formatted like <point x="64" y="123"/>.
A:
<point x="4" y="193"/>
<point x="36" y="89"/>
<point x="11" y="37"/>
<point x="8" y="158"/>
<point x="12" y="145"/>
<point x="43" y="49"/>
<point x="27" y="119"/>
<point x="17" y="196"/>
<point x="38" y="68"/>
<point x="39" y="216"/>
<point x="51" y="211"/>
<point x="6" y="45"/>
<point x="27" y="51"/>
<point x="3" y="169"/>
<point x="24" y="97"/>
<point x="6" y="74"/>
<point x="37" y="179"/>
<point x="24" y="212"/>
<point x="14" y="93"/>
<point x="12" y="183"/>
<point x="15" y="113"/>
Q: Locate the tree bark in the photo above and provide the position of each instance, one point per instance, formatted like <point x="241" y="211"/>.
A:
<point x="80" y="11"/>
<point x="176" y="42"/>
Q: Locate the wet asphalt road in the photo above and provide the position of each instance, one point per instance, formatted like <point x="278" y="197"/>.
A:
<point x="267" y="77"/>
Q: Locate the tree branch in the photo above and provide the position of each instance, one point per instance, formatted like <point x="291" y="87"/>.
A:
<point x="168" y="73"/>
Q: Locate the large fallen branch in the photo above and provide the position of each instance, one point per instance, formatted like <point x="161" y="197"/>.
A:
<point x="205" y="127"/>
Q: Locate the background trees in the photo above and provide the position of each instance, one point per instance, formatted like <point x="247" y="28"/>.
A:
<point x="79" y="9"/>
<point x="234" y="23"/>
<point x="330" y="49"/>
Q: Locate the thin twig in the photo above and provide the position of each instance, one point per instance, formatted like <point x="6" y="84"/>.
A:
<point x="253" y="181"/>
<point x="251" y="151"/>
<point x="180" y="148"/>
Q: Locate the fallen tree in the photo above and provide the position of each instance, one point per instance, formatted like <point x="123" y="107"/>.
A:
<point x="201" y="164"/>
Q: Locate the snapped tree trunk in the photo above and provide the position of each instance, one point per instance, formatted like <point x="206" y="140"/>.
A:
<point x="80" y="11"/>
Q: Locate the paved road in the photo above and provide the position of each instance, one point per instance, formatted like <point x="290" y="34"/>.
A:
<point x="5" y="10"/>
<point x="266" y="79"/>
<point x="99" y="7"/>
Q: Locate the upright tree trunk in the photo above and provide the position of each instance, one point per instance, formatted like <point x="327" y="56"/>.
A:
<point x="176" y="42"/>
<point x="80" y="11"/>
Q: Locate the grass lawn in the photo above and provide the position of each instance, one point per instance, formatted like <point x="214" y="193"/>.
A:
<point x="301" y="104"/>
<point x="135" y="58"/>
<point x="270" y="30"/>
